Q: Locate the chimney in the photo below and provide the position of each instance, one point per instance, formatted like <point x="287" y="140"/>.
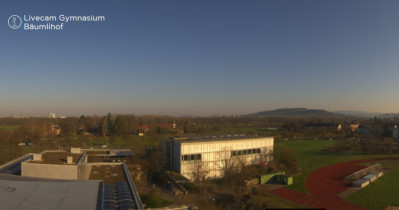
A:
<point x="37" y="157"/>
<point x="75" y="150"/>
<point x="69" y="160"/>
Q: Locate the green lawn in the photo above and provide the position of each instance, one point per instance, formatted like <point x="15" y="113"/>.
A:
<point x="381" y="193"/>
<point x="312" y="158"/>
<point x="10" y="128"/>
<point x="119" y="141"/>
<point x="249" y="131"/>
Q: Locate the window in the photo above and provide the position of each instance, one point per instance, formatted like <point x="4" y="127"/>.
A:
<point x="191" y="157"/>
<point x="245" y="152"/>
<point x="185" y="157"/>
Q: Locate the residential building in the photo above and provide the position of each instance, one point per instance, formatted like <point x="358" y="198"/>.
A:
<point x="369" y="130"/>
<point x="354" y="127"/>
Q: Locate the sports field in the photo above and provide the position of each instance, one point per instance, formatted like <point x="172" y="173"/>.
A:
<point x="311" y="157"/>
<point x="381" y="193"/>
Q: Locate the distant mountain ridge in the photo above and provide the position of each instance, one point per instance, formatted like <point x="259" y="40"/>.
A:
<point x="389" y="115"/>
<point x="297" y="112"/>
<point x="358" y="113"/>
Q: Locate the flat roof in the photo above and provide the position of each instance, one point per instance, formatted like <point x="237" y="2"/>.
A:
<point x="199" y="138"/>
<point x="59" y="157"/>
<point x="48" y="195"/>
<point x="111" y="174"/>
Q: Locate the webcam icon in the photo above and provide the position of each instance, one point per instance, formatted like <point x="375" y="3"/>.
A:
<point x="14" y="21"/>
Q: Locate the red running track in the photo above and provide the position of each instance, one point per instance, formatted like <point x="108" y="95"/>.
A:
<point x="325" y="184"/>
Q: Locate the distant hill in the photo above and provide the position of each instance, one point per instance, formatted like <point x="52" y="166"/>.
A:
<point x="358" y="113"/>
<point x="297" y="112"/>
<point x="389" y="115"/>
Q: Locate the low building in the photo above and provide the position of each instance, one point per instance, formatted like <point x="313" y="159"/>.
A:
<point x="323" y="126"/>
<point x="364" y="130"/>
<point x="213" y="155"/>
<point x="55" y="165"/>
<point x="75" y="179"/>
<point x="369" y="130"/>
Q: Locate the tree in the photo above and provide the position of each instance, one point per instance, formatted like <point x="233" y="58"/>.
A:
<point x="104" y="127"/>
<point x="200" y="173"/>
<point x="286" y="159"/>
<point x="111" y="129"/>
<point x="228" y="164"/>
<point x="119" y="125"/>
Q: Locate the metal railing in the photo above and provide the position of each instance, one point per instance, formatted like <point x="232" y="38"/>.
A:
<point x="132" y="187"/>
<point x="363" y="172"/>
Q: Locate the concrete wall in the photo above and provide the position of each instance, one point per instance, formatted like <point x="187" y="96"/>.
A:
<point x="52" y="171"/>
<point x="176" y="156"/>
<point x="82" y="166"/>
<point x="56" y="171"/>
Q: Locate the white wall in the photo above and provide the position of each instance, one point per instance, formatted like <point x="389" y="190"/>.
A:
<point x="213" y="154"/>
<point x="52" y="171"/>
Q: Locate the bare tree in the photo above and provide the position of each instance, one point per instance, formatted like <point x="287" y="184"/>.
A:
<point x="200" y="172"/>
<point x="226" y="160"/>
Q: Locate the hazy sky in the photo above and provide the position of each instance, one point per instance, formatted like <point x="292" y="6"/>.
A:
<point x="201" y="57"/>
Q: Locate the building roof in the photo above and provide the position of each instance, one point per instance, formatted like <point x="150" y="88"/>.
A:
<point x="111" y="174"/>
<point x="113" y="187"/>
<point x="199" y="138"/>
<point x="48" y="195"/>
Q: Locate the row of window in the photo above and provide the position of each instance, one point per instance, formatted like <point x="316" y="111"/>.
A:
<point x="245" y="152"/>
<point x="191" y="157"/>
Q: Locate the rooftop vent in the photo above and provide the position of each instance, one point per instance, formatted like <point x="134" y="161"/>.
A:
<point x="75" y="150"/>
<point x="69" y="160"/>
<point x="37" y="157"/>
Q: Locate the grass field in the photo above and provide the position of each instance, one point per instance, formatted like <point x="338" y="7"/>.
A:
<point x="119" y="141"/>
<point x="248" y="131"/>
<point x="312" y="158"/>
<point x="10" y="128"/>
<point x="381" y="193"/>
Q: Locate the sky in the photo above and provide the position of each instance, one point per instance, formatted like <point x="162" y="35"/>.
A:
<point x="201" y="57"/>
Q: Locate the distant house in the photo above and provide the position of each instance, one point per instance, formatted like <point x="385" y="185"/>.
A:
<point x="363" y="130"/>
<point x="147" y="127"/>
<point x="396" y="133"/>
<point x="369" y="130"/>
<point x="55" y="129"/>
<point x="354" y="127"/>
<point x="327" y="126"/>
<point x="143" y="128"/>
